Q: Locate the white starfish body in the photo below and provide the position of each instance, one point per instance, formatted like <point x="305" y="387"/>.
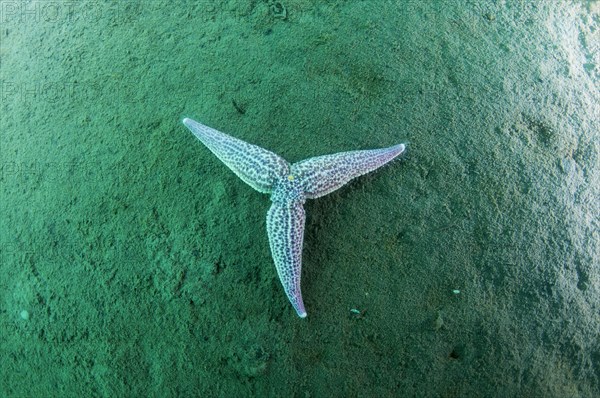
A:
<point x="289" y="187"/>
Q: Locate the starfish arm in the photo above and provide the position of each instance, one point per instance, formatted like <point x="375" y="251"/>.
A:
<point x="256" y="166"/>
<point x="285" y="227"/>
<point x="324" y="174"/>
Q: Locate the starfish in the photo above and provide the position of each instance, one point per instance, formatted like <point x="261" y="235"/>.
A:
<point x="289" y="187"/>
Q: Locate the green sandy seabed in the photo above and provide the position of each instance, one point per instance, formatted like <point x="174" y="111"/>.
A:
<point x="133" y="263"/>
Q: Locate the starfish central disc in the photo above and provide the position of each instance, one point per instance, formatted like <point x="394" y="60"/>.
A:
<point x="288" y="190"/>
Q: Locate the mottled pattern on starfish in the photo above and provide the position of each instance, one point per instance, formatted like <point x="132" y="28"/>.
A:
<point x="256" y="166"/>
<point x="289" y="187"/>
